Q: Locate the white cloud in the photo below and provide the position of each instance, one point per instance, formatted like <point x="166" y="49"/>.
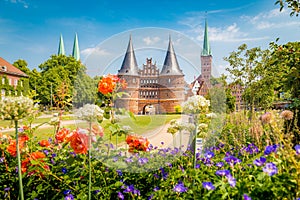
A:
<point x="271" y="19"/>
<point x="24" y="3"/>
<point x="150" y="41"/>
<point x="231" y="33"/>
<point x="95" y="51"/>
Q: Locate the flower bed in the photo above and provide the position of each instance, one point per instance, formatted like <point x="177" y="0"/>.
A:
<point x="241" y="160"/>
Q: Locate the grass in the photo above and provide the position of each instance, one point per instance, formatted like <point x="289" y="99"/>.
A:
<point x="140" y="125"/>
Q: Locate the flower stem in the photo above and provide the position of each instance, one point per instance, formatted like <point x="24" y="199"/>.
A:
<point x="90" y="168"/>
<point x="19" y="161"/>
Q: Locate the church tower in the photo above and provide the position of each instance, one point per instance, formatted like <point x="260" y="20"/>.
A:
<point x="76" y="52"/>
<point x="130" y="72"/>
<point x="61" y="46"/>
<point x="206" y="58"/>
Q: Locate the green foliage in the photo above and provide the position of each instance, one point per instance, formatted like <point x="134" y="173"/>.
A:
<point x="248" y="68"/>
<point x="293" y="5"/>
<point x="62" y="70"/>
<point x="164" y="169"/>
<point x="230" y="100"/>
<point x="178" y="109"/>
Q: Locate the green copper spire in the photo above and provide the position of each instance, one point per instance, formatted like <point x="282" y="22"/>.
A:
<point x="206" y="48"/>
<point x="76" y="52"/>
<point x="61" y="47"/>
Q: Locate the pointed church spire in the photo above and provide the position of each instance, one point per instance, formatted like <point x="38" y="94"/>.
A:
<point x="76" y="52"/>
<point x="206" y="48"/>
<point x="171" y="66"/>
<point x="61" y="47"/>
<point x="129" y="65"/>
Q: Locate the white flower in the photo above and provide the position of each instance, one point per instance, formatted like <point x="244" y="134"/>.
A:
<point x="195" y="104"/>
<point x="90" y="112"/>
<point x="15" y="108"/>
<point x="211" y="115"/>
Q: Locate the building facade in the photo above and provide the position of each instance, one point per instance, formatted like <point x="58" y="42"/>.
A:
<point x="151" y="91"/>
<point x="13" y="81"/>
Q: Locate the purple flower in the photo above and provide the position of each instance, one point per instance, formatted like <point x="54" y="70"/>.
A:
<point x="128" y="160"/>
<point x="120" y="195"/>
<point x="220" y="164"/>
<point x="221" y="145"/>
<point x="119" y="172"/>
<point x="231" y="180"/>
<point x="260" y="162"/>
<point x="197" y="166"/>
<point x="142" y="161"/>
<point x="150" y="197"/>
<point x="232" y="160"/>
<point x="53" y="155"/>
<point x="129" y="189"/>
<point x="180" y="188"/>
<point x="209" y="154"/>
<point x="115" y="159"/>
<point x="246" y="197"/>
<point x="208" y="185"/>
<point x="1" y="159"/>
<point x="156" y="189"/>
<point x="96" y="191"/>
<point x="270" y="149"/>
<point x="270" y="169"/>
<point x="69" y="197"/>
<point x="224" y="172"/>
<point x="46" y="152"/>
<point x="297" y="148"/>
<point x="66" y="192"/>
<point x="163" y="173"/>
<point x="64" y="170"/>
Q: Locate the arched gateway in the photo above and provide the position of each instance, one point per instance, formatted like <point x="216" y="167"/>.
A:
<point x="159" y="90"/>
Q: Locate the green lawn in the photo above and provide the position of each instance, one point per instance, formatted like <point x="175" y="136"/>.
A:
<point x="140" y="125"/>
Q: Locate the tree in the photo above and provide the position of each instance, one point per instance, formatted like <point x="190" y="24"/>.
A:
<point x="294" y="5"/>
<point x="247" y="68"/>
<point x="284" y="66"/>
<point x="85" y="89"/>
<point x="57" y="71"/>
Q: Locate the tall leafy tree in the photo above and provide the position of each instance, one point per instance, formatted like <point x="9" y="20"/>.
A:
<point x="284" y="66"/>
<point x="247" y="68"/>
<point x="31" y="82"/>
<point x="64" y="71"/>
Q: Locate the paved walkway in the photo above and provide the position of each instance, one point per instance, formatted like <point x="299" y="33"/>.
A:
<point x="160" y="137"/>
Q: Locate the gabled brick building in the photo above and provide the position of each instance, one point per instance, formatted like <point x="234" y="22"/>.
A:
<point x="11" y="83"/>
<point x="149" y="89"/>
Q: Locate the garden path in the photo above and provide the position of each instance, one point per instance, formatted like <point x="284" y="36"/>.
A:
<point x="161" y="138"/>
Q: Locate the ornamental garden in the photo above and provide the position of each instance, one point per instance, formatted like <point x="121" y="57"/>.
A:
<point x="217" y="150"/>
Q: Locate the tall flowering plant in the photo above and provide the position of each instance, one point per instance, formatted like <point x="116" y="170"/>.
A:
<point x="109" y="89"/>
<point x="16" y="108"/>
<point x="80" y="141"/>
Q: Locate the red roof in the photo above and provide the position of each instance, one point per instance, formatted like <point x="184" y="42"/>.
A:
<point x="7" y="68"/>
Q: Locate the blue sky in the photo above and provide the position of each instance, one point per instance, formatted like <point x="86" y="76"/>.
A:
<point x="30" y="29"/>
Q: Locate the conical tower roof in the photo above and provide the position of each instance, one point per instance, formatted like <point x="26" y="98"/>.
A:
<point x="76" y="52"/>
<point x="61" y="47"/>
<point x="171" y="66"/>
<point x="129" y="65"/>
<point x="206" y="48"/>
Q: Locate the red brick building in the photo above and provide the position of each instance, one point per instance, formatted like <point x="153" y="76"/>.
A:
<point x="11" y="83"/>
<point x="149" y="89"/>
